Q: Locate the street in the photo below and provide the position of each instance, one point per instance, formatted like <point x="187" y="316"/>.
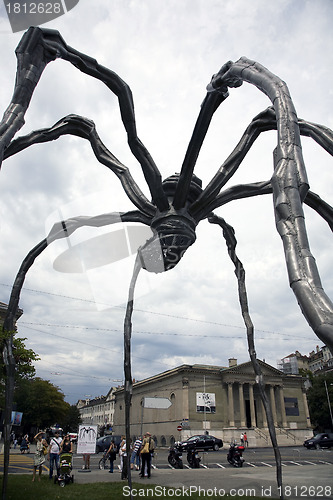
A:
<point x="306" y="473"/>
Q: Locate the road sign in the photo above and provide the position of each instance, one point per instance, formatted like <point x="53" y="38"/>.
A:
<point x="179" y="428"/>
<point x="161" y="403"/>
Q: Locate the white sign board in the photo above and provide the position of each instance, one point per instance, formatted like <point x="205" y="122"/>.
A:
<point x="162" y="403"/>
<point x="86" y="439"/>
<point x="206" y="402"/>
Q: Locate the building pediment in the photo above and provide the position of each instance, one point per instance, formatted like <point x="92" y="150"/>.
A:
<point x="247" y="370"/>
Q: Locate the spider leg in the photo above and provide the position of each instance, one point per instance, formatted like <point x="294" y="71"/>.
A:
<point x="208" y="108"/>
<point x="127" y="362"/>
<point x="229" y="236"/>
<point x="241" y="191"/>
<point x="82" y="127"/>
<point x="60" y="230"/>
<point x="40" y="46"/>
<point x="290" y="187"/>
<point x="264" y="121"/>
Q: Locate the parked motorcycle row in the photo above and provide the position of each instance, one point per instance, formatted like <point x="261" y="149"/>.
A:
<point x="175" y="457"/>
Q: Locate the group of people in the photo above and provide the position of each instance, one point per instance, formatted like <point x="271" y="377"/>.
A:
<point x="51" y="451"/>
<point x="141" y="454"/>
<point x="243" y="439"/>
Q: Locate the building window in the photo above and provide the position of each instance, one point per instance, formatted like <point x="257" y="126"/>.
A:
<point x="291" y="405"/>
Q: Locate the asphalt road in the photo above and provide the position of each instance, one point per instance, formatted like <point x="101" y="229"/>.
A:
<point x="306" y="473"/>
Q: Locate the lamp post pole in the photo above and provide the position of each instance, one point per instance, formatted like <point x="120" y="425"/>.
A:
<point x="329" y="402"/>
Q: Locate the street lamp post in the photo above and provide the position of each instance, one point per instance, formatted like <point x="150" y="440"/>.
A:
<point x="329" y="402"/>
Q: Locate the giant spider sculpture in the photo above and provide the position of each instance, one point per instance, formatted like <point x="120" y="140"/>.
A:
<point x="179" y="202"/>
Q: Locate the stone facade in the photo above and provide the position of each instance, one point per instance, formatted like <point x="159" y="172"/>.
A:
<point x="233" y="404"/>
<point x="98" y="411"/>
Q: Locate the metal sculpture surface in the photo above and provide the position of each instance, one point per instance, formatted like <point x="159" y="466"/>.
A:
<point x="179" y="203"/>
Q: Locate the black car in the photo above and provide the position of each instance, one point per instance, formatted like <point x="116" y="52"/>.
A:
<point x="203" y="442"/>
<point x="103" y="443"/>
<point x="322" y="440"/>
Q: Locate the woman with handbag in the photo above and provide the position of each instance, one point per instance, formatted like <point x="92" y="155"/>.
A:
<point x="146" y="451"/>
<point x="112" y="453"/>
<point x="39" y="458"/>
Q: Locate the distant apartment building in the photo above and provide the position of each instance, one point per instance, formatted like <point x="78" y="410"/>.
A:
<point x="317" y="360"/>
<point x="98" y="411"/>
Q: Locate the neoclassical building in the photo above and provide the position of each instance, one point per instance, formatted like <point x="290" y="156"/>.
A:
<point x="223" y="401"/>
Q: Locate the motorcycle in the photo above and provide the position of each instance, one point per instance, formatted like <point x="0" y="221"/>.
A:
<point x="175" y="457"/>
<point x="193" y="458"/>
<point x="235" y="455"/>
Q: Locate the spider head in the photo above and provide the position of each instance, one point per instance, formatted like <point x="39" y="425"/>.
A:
<point x="174" y="230"/>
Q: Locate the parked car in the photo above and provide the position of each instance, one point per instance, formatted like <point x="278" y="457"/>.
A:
<point x="322" y="440"/>
<point x="103" y="442"/>
<point x="204" y="442"/>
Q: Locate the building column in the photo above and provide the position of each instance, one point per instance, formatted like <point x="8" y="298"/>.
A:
<point x="283" y="408"/>
<point x="273" y="405"/>
<point x="306" y="409"/>
<point x="263" y="412"/>
<point x="241" y="405"/>
<point x="231" y="405"/>
<point x="252" y="408"/>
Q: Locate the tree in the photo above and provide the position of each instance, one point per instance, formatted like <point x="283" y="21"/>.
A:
<point x="41" y="402"/>
<point x="319" y="403"/>
<point x="72" y="419"/>
<point x="24" y="368"/>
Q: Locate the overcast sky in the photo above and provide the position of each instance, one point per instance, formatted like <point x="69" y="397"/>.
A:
<point x="167" y="52"/>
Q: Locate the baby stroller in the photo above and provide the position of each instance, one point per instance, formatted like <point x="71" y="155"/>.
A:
<point x="64" y="476"/>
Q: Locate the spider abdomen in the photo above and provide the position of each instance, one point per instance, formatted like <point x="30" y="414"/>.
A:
<point x="173" y="235"/>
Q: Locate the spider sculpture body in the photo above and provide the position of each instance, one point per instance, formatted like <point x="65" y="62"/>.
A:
<point x="180" y="202"/>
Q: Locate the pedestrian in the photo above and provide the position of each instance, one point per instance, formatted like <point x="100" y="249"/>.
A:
<point x="122" y="441"/>
<point x="242" y="439"/>
<point x="24" y="444"/>
<point x="123" y="452"/>
<point x="135" y="457"/>
<point x="39" y="457"/>
<point x="245" y="440"/>
<point x="54" y="453"/>
<point x="112" y="452"/>
<point x="147" y="449"/>
<point x="66" y="445"/>
<point x="86" y="461"/>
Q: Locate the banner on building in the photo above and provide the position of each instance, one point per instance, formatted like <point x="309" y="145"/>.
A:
<point x="206" y="402"/>
<point x="86" y="440"/>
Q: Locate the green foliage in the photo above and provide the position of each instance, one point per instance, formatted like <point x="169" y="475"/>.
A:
<point x="41" y="402"/>
<point x="318" y="402"/>
<point x="24" y="359"/>
<point x="72" y="419"/>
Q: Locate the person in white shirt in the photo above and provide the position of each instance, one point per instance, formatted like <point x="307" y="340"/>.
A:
<point x="54" y="453"/>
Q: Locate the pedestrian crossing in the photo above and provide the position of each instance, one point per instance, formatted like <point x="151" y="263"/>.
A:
<point x="284" y="463"/>
<point x="20" y="463"/>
